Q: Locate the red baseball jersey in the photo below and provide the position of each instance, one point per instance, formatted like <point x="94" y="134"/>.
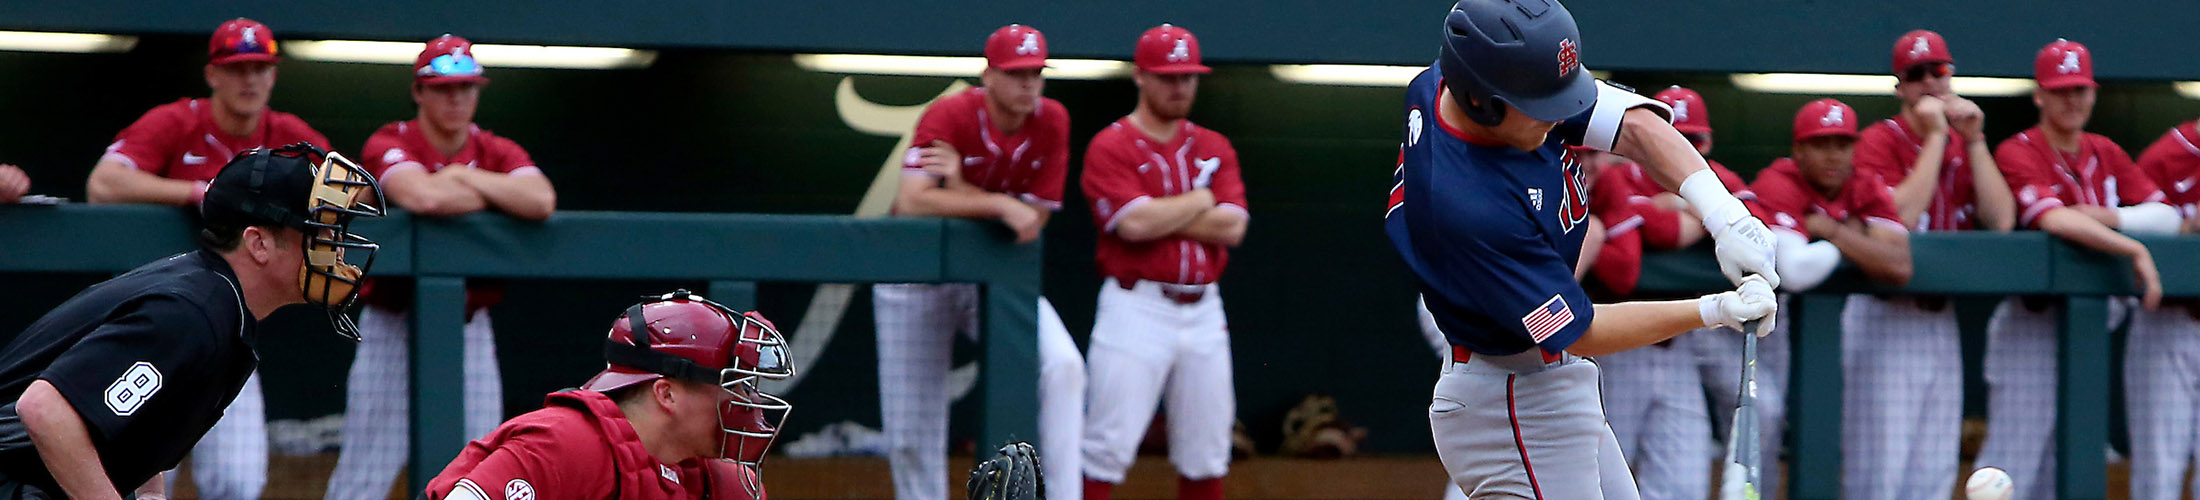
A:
<point x="1887" y="151"/>
<point x="180" y="140"/>
<point x="1625" y="209"/>
<point x="2173" y="163"/>
<point x="1031" y="164"/>
<point x="1661" y="228"/>
<point x="1782" y="191"/>
<point x="579" y="446"/>
<point x="1124" y="167"/>
<point x="2100" y="173"/>
<point x="401" y="146"/>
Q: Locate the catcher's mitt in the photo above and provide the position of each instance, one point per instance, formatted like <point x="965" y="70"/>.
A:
<point x="1012" y="474"/>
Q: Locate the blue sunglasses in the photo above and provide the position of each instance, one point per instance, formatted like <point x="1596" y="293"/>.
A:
<point x="452" y="65"/>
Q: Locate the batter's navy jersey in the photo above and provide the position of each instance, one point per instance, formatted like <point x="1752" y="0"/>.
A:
<point x="1491" y="232"/>
<point x="148" y="360"/>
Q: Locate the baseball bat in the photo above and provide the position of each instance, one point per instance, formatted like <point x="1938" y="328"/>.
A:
<point x="1742" y="446"/>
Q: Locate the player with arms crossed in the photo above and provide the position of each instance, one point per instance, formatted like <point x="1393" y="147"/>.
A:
<point x="117" y="384"/>
<point x="997" y="152"/>
<point x="1489" y="211"/>
<point x="675" y="415"/>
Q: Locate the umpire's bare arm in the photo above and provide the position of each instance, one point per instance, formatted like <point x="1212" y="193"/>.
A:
<point x="63" y="443"/>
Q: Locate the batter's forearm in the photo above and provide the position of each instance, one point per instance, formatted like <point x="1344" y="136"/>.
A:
<point x="1669" y="158"/>
<point x="1628" y="325"/>
<point x="63" y="444"/>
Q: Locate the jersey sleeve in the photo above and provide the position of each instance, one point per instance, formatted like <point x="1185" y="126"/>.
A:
<point x="507" y="157"/>
<point x="2163" y="162"/>
<point x="535" y="461"/>
<point x="1619" y="262"/>
<point x="1229" y="183"/>
<point x="1112" y="184"/>
<point x="384" y="154"/>
<point x="1046" y="188"/>
<point x="2029" y="178"/>
<point x="1782" y="199"/>
<point x="936" y="124"/>
<point x="126" y="363"/>
<point x="1876" y="156"/>
<point x="2132" y="186"/>
<point x="1599" y="127"/>
<point x="147" y="144"/>
<point x="1875" y="204"/>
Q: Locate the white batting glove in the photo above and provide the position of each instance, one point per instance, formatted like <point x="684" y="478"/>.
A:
<point x="1207" y="170"/>
<point x="1745" y="249"/>
<point x="1752" y="301"/>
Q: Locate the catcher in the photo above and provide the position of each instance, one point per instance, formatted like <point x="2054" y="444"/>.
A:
<point x="676" y="415"/>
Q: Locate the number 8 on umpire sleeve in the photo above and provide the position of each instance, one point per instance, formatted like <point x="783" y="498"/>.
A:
<point x="135" y="386"/>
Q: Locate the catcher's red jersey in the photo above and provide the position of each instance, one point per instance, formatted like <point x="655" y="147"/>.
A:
<point x="180" y="140"/>
<point x="579" y="446"/>
<point x="1031" y="164"/>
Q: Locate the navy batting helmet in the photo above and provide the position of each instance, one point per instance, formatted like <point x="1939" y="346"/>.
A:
<point x="1523" y="53"/>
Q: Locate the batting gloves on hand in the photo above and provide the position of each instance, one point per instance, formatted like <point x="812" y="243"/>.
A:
<point x="1744" y="246"/>
<point x="1752" y="301"/>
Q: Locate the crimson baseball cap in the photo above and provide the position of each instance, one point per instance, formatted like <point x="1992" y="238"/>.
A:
<point x="1016" y="46"/>
<point x="1920" y="47"/>
<point x="241" y="40"/>
<point x="1825" y="117"/>
<point x="447" y="59"/>
<point x="2064" y="64"/>
<point x="1689" y="114"/>
<point x="1169" y="50"/>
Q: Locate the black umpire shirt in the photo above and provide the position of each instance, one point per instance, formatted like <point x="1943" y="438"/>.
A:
<point x="149" y="359"/>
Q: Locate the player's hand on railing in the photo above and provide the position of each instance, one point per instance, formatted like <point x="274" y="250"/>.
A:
<point x="1745" y="248"/>
<point x="1751" y="301"/>
<point x="2150" y="280"/>
<point x="1022" y="218"/>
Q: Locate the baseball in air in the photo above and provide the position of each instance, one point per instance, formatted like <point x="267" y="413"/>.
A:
<point x="1988" y="483"/>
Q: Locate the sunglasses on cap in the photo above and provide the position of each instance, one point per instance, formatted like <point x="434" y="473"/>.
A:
<point x="451" y="65"/>
<point x="1919" y="72"/>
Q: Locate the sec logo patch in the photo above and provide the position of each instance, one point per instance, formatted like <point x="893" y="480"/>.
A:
<point x="518" y="489"/>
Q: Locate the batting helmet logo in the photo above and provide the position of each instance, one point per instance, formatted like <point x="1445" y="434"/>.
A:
<point x="1569" y="56"/>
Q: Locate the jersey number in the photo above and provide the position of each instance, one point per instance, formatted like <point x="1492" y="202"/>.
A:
<point x="1575" y="210"/>
<point x="130" y="392"/>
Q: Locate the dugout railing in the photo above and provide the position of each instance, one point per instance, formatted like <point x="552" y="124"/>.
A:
<point x="731" y="251"/>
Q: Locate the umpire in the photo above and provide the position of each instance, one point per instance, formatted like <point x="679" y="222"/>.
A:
<point x="117" y="384"/>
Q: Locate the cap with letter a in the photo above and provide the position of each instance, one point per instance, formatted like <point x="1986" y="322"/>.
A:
<point x="1016" y="47"/>
<point x="1169" y="50"/>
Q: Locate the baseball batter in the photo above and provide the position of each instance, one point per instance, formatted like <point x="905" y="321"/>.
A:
<point x="1489" y="211"/>
<point x="676" y="414"/>
<point x="1902" y="401"/>
<point x="2162" y="358"/>
<point x="116" y="384"/>
<point x="167" y="157"/>
<point x="1169" y="202"/>
<point x="2082" y="188"/>
<point x="437" y="164"/>
<point x="996" y="152"/>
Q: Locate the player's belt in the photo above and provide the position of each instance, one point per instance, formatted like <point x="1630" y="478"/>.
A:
<point x="1184" y="295"/>
<point x="1529" y="361"/>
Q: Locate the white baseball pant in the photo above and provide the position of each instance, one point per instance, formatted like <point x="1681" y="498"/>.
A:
<point x="1147" y="347"/>
<point x="1516" y="427"/>
<point x="1902" y="399"/>
<point x="377" y="401"/>
<point x="2020" y="394"/>
<point x="1654" y="402"/>
<point x="230" y="463"/>
<point x="917" y="324"/>
<point x="2162" y="394"/>
<point x="1442" y="346"/>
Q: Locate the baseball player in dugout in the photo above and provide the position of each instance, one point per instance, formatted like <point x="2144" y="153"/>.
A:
<point x="2162" y="357"/>
<point x="437" y="164"/>
<point x="1169" y="203"/>
<point x="2082" y="188"/>
<point x="676" y="414"/>
<point x="996" y="152"/>
<point x="1902" y="401"/>
<point x="116" y="384"/>
<point x="1489" y="211"/>
<point x="168" y="157"/>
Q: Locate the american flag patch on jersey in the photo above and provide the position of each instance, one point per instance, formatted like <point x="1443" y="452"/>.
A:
<point x="1548" y="318"/>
